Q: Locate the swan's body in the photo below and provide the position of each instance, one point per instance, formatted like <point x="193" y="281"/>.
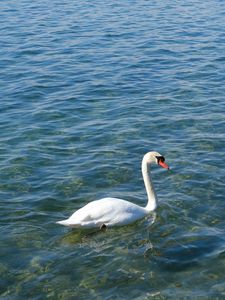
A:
<point x="106" y="211"/>
<point x="117" y="212"/>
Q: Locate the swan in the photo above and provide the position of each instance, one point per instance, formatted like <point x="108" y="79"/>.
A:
<point x="108" y="212"/>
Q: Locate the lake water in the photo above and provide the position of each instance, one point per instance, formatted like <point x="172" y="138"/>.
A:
<point x="87" y="88"/>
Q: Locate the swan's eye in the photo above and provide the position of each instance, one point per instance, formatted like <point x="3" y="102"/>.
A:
<point x="160" y="158"/>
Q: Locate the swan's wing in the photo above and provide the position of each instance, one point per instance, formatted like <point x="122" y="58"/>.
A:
<point x="97" y="212"/>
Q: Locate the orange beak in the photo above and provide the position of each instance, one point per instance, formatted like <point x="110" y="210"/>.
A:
<point x="163" y="165"/>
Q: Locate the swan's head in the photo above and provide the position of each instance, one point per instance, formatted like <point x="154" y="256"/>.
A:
<point x="155" y="157"/>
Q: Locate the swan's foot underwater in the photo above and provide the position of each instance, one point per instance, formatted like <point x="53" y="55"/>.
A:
<point x="103" y="227"/>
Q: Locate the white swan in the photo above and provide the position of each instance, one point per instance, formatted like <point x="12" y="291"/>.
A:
<point x="108" y="212"/>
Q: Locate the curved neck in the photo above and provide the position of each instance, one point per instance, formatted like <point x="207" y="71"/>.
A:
<point x="152" y="199"/>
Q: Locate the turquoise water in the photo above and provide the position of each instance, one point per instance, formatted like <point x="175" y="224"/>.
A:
<point x="86" y="89"/>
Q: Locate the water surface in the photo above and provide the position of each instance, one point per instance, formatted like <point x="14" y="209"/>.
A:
<point x="86" y="89"/>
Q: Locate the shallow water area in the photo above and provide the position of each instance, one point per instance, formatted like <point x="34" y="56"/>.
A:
<point x="86" y="90"/>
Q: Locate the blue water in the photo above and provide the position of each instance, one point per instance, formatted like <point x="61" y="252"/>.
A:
<point x="87" y="87"/>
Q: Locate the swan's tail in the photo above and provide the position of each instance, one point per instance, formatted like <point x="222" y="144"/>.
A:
<point x="64" y="222"/>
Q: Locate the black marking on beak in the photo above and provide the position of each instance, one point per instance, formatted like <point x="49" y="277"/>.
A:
<point x="160" y="158"/>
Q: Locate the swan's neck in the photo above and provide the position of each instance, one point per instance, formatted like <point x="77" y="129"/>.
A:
<point x="152" y="199"/>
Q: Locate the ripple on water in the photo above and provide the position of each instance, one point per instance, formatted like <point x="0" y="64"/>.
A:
<point x="87" y="89"/>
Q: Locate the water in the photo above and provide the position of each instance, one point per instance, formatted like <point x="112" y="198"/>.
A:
<point x="86" y="89"/>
